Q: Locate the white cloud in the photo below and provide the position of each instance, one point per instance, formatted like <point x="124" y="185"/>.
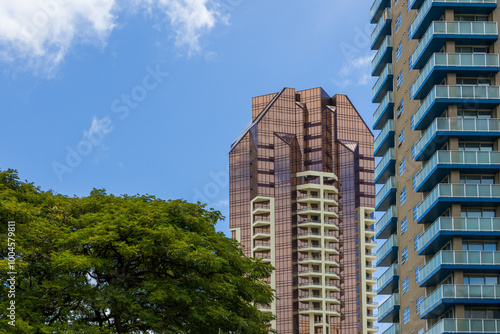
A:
<point x="39" y="33"/>
<point x="355" y="71"/>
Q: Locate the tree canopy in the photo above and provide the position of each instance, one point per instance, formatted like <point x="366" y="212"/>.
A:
<point x="124" y="264"/>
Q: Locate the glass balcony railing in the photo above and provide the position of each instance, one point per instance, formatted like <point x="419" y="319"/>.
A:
<point x="385" y="139"/>
<point x="383" y="25"/>
<point x="455" y="193"/>
<point x="391" y="245"/>
<point x="387" y="307"/>
<point x="383" y="199"/>
<point x="394" y="329"/>
<point x="451" y="225"/>
<point x="381" y="171"/>
<point x="458" y="258"/>
<point x="457" y="127"/>
<point x="377" y="9"/>
<point x="448" y="160"/>
<point x="389" y="275"/>
<point x="383" y="84"/>
<point x="465" y="326"/>
<point x="444" y="61"/>
<point x="461" y="292"/>
<point x="382" y="227"/>
<point x="451" y="94"/>
<point x="446" y="29"/>
<point x="382" y="57"/>
<point x="384" y="111"/>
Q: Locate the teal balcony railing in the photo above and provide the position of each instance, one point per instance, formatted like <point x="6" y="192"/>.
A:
<point x="387" y="223"/>
<point x="391" y="275"/>
<point x="384" y="112"/>
<point x="377" y="9"/>
<point x="383" y="84"/>
<point x="451" y="61"/>
<point x="383" y="56"/>
<point x="456" y="193"/>
<point x="489" y="260"/>
<point x="385" y="254"/>
<point x="453" y="292"/>
<point x="459" y="127"/>
<point x="445" y="95"/>
<point x="465" y="326"/>
<point x="386" y="196"/>
<point x="385" y="167"/>
<point x="385" y="139"/>
<point x="383" y="28"/>
<point x="447" y="227"/>
<point x="394" y="329"/>
<point x="388" y="311"/>
<point x="451" y="30"/>
<point x="442" y="162"/>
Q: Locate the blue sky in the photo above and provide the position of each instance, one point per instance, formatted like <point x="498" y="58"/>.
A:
<point x="146" y="96"/>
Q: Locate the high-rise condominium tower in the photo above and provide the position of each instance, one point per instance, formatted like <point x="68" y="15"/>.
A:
<point x="437" y="65"/>
<point x="301" y="199"/>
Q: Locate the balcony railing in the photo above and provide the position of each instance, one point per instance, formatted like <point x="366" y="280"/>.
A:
<point x="383" y="84"/>
<point x="383" y="25"/>
<point x="377" y="9"/>
<point x="382" y="57"/>
<point x="394" y="329"/>
<point x="452" y="94"/>
<point x="383" y="170"/>
<point x="457" y="127"/>
<point x="385" y="139"/>
<point x="446" y="61"/>
<point x="470" y="192"/>
<point x="387" y="195"/>
<point x="382" y="228"/>
<point x="458" y="258"/>
<point x="384" y="111"/>
<point x="389" y="306"/>
<point x="460" y="292"/>
<point x="448" y="160"/>
<point x="467" y="226"/>
<point x="390" y="246"/>
<point x="391" y="274"/>
<point x="465" y="326"/>
<point x="454" y="29"/>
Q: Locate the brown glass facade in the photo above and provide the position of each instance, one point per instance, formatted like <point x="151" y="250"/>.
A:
<point x="298" y="173"/>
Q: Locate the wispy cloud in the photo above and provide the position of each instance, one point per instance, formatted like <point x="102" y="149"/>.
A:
<point x="355" y="71"/>
<point x="39" y="34"/>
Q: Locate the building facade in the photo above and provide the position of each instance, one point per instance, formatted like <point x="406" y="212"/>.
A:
<point x="301" y="199"/>
<point x="437" y="65"/>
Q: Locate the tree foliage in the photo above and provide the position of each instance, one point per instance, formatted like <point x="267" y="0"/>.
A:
<point x="127" y="264"/>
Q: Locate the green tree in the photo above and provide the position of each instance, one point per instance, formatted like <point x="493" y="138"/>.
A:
<point x="128" y="264"/>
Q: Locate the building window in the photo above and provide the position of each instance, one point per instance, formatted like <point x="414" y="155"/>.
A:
<point x="401" y="108"/>
<point x="419" y="300"/>
<point x="399" y="80"/>
<point x="404" y="225"/>
<point x="402" y="166"/>
<point x="406" y="315"/>
<point x="399" y="50"/>
<point x="415" y="212"/>
<point x="416" y="242"/>
<point x="402" y="196"/>
<point x="417" y="273"/>
<point x="397" y="25"/>
<point x="404" y="255"/>
<point x="401" y="137"/>
<point x="406" y="284"/>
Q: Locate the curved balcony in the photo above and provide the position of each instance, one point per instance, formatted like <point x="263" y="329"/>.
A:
<point x="442" y="129"/>
<point x="309" y="223"/>
<point x="394" y="329"/>
<point x="442" y="162"/>
<point x="310" y="298"/>
<point x="444" y="194"/>
<point x="383" y="85"/>
<point x="261" y="246"/>
<point x="387" y="254"/>
<point x="433" y="10"/>
<point x="389" y="310"/>
<point x="377" y="9"/>
<point x="261" y="222"/>
<point x="386" y="197"/>
<point x="385" y="139"/>
<point x="317" y="187"/>
<point x="382" y="29"/>
<point x="386" y="167"/>
<point x="463" y="64"/>
<point x="387" y="224"/>
<point x="440" y="97"/>
<point x="447" y="295"/>
<point x="388" y="282"/>
<point x="445" y="262"/>
<point x="382" y="57"/>
<point x="384" y="112"/>
<point x="456" y="326"/>
<point x="463" y="33"/>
